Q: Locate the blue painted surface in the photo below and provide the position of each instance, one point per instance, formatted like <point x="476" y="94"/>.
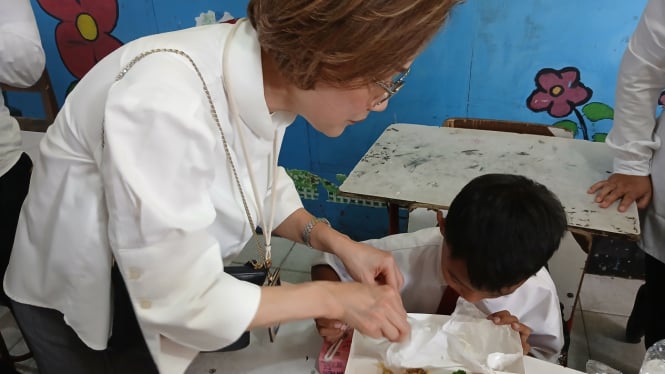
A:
<point x="481" y="65"/>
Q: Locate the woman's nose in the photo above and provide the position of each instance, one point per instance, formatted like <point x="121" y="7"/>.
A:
<point x="380" y="105"/>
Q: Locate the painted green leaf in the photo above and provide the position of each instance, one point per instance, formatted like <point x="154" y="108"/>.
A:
<point x="340" y="178"/>
<point x="329" y="186"/>
<point x="303" y="179"/>
<point x="567" y="125"/>
<point x="598" y="111"/>
<point x="599" y="137"/>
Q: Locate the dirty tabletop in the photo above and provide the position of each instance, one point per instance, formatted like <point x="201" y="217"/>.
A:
<point x="426" y="166"/>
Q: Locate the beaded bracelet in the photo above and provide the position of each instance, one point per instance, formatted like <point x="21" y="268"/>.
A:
<point x="307" y="231"/>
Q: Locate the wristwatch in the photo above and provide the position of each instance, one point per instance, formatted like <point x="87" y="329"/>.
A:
<point x="307" y="231"/>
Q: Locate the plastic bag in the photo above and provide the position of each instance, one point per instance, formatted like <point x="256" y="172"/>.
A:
<point x="654" y="359"/>
<point x="597" y="367"/>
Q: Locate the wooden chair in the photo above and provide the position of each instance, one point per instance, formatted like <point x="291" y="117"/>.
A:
<point x="507" y="126"/>
<point x="583" y="239"/>
<point x="44" y="88"/>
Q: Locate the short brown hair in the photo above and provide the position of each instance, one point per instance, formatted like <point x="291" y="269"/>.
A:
<point x="344" y="43"/>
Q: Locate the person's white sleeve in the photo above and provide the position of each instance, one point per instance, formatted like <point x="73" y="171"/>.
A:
<point x="640" y="82"/>
<point x="536" y="304"/>
<point x="287" y="200"/>
<point x="21" y="55"/>
<point x="158" y="170"/>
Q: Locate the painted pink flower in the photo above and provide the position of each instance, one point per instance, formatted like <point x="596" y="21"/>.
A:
<point x="558" y="92"/>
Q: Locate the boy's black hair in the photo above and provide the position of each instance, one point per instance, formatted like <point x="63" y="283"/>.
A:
<point x="506" y="227"/>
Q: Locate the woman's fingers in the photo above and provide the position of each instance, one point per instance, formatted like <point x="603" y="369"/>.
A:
<point x="376" y="311"/>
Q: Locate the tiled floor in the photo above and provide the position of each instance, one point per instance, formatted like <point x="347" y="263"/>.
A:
<point x="600" y="320"/>
<point x="605" y="303"/>
<point x="14" y="341"/>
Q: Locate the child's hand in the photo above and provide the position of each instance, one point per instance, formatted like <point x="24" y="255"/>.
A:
<point x="505" y="318"/>
<point x="330" y="329"/>
<point x="627" y="188"/>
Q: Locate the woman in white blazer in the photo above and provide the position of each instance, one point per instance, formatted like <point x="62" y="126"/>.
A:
<point x="161" y="164"/>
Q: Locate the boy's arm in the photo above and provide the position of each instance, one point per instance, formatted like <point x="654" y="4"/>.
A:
<point x="329" y="329"/>
<point x="323" y="272"/>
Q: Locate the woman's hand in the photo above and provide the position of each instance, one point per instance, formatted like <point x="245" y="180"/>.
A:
<point x="369" y="265"/>
<point x="505" y="318"/>
<point x="364" y="263"/>
<point x="374" y="310"/>
<point x="628" y="188"/>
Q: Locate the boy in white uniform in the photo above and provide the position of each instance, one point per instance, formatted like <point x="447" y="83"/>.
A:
<point x="501" y="230"/>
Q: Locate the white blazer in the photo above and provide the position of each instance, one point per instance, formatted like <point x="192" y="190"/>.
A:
<point x="158" y="196"/>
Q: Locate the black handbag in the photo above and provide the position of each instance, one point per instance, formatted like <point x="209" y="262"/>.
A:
<point x="247" y="273"/>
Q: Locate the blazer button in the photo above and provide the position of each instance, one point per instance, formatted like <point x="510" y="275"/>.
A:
<point x="145" y="304"/>
<point x="134" y="273"/>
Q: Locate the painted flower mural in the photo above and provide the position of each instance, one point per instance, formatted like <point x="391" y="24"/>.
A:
<point x="83" y="34"/>
<point x="561" y="93"/>
<point x="558" y="92"/>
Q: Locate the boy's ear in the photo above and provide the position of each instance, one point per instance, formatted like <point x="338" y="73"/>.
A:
<point x="441" y="220"/>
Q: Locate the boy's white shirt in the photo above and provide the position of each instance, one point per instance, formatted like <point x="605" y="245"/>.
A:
<point x="418" y="255"/>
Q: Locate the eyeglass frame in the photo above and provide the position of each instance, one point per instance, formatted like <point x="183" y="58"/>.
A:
<point x="394" y="87"/>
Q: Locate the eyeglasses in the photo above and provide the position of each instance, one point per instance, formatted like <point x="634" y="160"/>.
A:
<point x="394" y="86"/>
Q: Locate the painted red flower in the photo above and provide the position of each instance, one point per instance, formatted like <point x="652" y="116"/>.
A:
<point x="83" y="34"/>
<point x="558" y="92"/>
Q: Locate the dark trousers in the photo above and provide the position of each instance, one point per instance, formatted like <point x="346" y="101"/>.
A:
<point x="13" y="189"/>
<point x="57" y="349"/>
<point x="654" y="300"/>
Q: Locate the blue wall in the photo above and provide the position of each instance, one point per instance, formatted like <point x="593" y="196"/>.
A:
<point x="483" y="64"/>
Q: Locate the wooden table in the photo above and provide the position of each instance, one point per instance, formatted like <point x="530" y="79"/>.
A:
<point x="426" y="166"/>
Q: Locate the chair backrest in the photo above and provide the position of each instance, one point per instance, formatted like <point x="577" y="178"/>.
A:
<point x="44" y="88"/>
<point x="506" y="126"/>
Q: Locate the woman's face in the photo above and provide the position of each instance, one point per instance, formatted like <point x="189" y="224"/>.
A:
<point x="331" y="109"/>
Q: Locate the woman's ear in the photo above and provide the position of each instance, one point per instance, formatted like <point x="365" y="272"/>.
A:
<point x="441" y="221"/>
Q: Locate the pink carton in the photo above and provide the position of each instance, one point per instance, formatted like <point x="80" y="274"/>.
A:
<point x="338" y="363"/>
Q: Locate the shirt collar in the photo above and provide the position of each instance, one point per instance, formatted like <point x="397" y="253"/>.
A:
<point x="246" y="77"/>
